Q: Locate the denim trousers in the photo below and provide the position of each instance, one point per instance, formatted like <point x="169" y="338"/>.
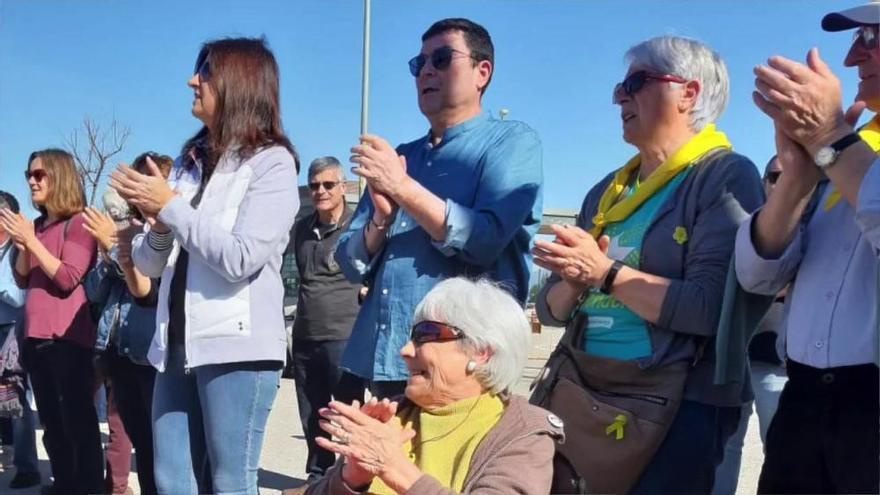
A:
<point x="24" y="439"/>
<point x="767" y="382"/>
<point x="210" y="419"/>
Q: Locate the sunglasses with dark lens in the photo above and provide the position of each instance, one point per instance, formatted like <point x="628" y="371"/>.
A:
<point x="440" y="59"/>
<point x="772" y="177"/>
<point x="314" y="186"/>
<point x="38" y="175"/>
<point x="867" y="37"/>
<point x="427" y="331"/>
<point x="204" y="70"/>
<point x="636" y="81"/>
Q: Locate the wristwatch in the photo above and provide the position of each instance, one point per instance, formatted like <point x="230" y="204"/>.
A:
<point x="608" y="283"/>
<point x="827" y="155"/>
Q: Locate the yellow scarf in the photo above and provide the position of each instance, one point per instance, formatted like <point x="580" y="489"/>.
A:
<point x="870" y="134"/>
<point x="612" y="209"/>
<point x="447" y="438"/>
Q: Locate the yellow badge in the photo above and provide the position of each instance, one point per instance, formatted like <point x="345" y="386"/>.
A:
<point x="617" y="427"/>
<point x="680" y="235"/>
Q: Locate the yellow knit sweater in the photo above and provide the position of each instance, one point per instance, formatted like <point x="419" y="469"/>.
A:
<point x="447" y="438"/>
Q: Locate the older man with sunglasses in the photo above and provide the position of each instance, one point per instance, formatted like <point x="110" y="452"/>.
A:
<point x="463" y="199"/>
<point x="820" y="231"/>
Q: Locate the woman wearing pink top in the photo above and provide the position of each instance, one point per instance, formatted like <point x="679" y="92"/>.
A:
<point x="54" y="254"/>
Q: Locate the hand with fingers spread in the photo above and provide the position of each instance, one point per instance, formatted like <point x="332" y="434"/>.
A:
<point x="148" y="193"/>
<point x="803" y="100"/>
<point x="378" y="163"/>
<point x="19" y="228"/>
<point x="371" y="447"/>
<point x="575" y="256"/>
<point x="101" y="226"/>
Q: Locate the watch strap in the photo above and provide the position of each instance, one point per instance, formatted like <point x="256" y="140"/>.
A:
<point x="610" y="276"/>
<point x="846" y="141"/>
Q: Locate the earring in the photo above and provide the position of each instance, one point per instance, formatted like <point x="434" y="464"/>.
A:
<point x="471" y="367"/>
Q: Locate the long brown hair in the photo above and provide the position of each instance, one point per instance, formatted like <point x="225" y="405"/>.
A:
<point x="244" y="74"/>
<point x="66" y="197"/>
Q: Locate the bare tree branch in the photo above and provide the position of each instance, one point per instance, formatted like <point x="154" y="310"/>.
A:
<point x="92" y="148"/>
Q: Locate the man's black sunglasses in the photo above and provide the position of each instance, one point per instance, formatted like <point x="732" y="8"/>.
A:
<point x="440" y="59"/>
<point x="636" y="81"/>
<point x="328" y="185"/>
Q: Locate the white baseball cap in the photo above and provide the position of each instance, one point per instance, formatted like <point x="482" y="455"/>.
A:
<point x="853" y="18"/>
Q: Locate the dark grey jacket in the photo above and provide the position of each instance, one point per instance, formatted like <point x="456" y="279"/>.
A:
<point x="718" y="193"/>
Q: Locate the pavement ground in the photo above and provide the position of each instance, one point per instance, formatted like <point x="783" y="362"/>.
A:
<point x="284" y="449"/>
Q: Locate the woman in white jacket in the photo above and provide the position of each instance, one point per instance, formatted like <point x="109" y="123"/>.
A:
<point x="217" y="231"/>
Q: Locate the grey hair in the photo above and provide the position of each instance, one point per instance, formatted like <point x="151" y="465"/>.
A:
<point x="323" y="163"/>
<point x="491" y="319"/>
<point x="692" y="60"/>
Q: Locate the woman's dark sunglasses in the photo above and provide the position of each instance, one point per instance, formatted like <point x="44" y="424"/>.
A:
<point x="636" y="81"/>
<point x="772" y="177"/>
<point x="204" y="70"/>
<point x="427" y="331"/>
<point x="440" y="60"/>
<point x="38" y="175"/>
<point x="314" y="186"/>
<point x="867" y="37"/>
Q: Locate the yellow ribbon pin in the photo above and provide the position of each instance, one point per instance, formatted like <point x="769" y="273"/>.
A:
<point x="680" y="235"/>
<point x="617" y="427"/>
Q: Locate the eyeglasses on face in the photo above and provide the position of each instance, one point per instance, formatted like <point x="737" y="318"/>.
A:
<point x="38" y="174"/>
<point x="867" y="36"/>
<point x="328" y="185"/>
<point x="440" y="59"/>
<point x="427" y="331"/>
<point x="637" y="80"/>
<point x="204" y="70"/>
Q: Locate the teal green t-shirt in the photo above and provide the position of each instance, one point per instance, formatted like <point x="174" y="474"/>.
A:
<point x="613" y="331"/>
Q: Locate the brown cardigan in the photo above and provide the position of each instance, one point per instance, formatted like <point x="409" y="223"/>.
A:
<point x="515" y="457"/>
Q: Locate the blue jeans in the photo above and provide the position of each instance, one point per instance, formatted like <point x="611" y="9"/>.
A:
<point x="24" y="439"/>
<point x="215" y="416"/>
<point x="767" y="383"/>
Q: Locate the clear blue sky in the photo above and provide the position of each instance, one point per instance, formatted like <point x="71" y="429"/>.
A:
<point x="556" y="64"/>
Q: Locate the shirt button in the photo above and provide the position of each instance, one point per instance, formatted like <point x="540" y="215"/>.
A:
<point x="391" y="256"/>
<point x="403" y="224"/>
<point x="819" y="344"/>
<point x="125" y="350"/>
<point x="382" y="326"/>
<point x="384" y="291"/>
<point x="429" y="163"/>
<point x="829" y="295"/>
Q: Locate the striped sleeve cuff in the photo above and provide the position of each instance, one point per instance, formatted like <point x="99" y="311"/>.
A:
<point x="160" y="241"/>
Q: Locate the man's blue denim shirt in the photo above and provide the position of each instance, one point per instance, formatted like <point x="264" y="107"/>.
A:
<point x="489" y="173"/>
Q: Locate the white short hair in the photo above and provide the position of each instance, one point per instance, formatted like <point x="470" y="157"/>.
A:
<point x="692" y="60"/>
<point x="491" y="320"/>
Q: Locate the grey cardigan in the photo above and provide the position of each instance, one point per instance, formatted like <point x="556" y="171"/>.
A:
<point x="718" y="193"/>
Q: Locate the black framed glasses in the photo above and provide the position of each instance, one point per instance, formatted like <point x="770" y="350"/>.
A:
<point x="38" y="174"/>
<point x="637" y="80"/>
<point x="867" y="36"/>
<point x="427" y="331"/>
<point x="328" y="185"/>
<point x="440" y="59"/>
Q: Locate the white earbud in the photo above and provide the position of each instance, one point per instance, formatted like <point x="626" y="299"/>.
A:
<point x="471" y="367"/>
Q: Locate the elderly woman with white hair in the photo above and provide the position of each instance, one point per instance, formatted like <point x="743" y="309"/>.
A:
<point x="459" y="429"/>
<point x="639" y="284"/>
